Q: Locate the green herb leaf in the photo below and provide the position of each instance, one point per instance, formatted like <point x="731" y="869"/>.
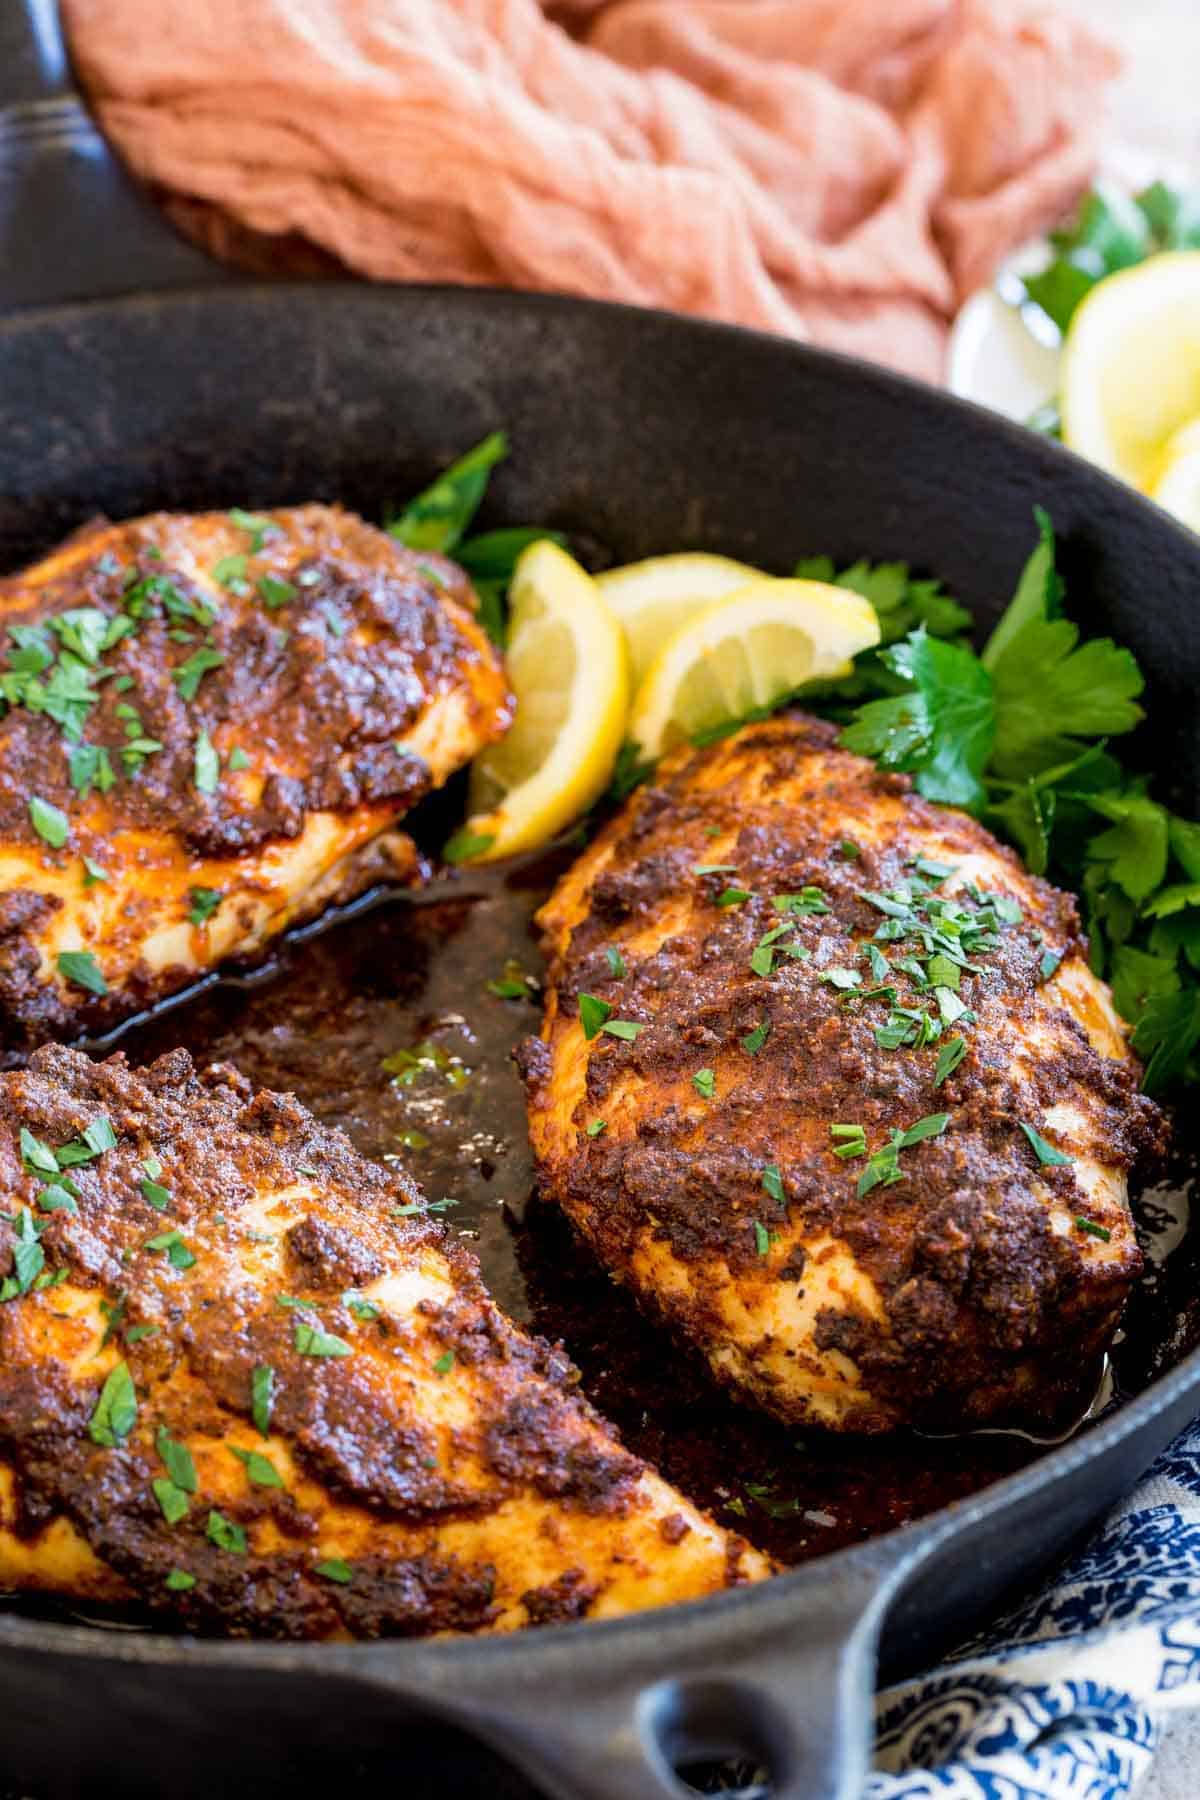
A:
<point x="940" y="728"/>
<point x="465" y="845"/>
<point x="310" y="1340"/>
<point x="772" y="1181"/>
<point x="81" y="969"/>
<point x="593" y="1013"/>
<point x="178" y="1254"/>
<point x="1045" y="1153"/>
<point x="260" y="1471"/>
<point x="180" y="1582"/>
<point x="256" y="524"/>
<point x="225" y="1534"/>
<point x="116" y="1410"/>
<point x="705" y="1081"/>
<point x="1093" y="1230"/>
<point x="616" y="962"/>
<point x="754" y="1040"/>
<point x="274" y="592"/>
<point x="950" y="1056"/>
<point x="444" y="1363"/>
<point x="189" y="674"/>
<point x="438" y="518"/>
<point x="177" y="1460"/>
<point x="334" y="1569"/>
<point x="159" y="1197"/>
<point x="262" y="1397"/>
<point x="597" y="1127"/>
<point x="51" y="825"/>
<point x="203" y="903"/>
<point x="626" y="1029"/>
<point x="762" y="1239"/>
<point x="206" y="766"/>
<point x="171" y="1499"/>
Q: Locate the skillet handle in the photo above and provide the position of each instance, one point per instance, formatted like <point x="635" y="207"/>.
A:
<point x="73" y="225"/>
<point x="782" y="1683"/>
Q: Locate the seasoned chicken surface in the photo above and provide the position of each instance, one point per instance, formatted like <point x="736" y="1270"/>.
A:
<point x="247" y="1381"/>
<point x="823" y="1013"/>
<point x="208" y="725"/>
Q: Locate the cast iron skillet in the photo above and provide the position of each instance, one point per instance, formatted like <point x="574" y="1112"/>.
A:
<point x="646" y="432"/>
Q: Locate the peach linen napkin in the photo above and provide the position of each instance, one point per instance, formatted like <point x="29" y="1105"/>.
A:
<point x="843" y="171"/>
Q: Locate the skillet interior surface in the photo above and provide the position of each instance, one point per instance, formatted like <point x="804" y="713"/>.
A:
<point x="634" y="433"/>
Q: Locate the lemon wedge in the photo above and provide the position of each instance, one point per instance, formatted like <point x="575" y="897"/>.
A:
<point x="747" y="651"/>
<point x="1177" y="484"/>
<point x="1131" y="365"/>
<point x="652" y="599"/>
<point x="568" y="669"/>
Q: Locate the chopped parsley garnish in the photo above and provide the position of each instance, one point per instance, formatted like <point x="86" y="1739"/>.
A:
<point x="513" y="983"/>
<point x="883" y="1168"/>
<point x="158" y="1196"/>
<point x="849" y="849"/>
<point x="310" y="1340"/>
<point x="593" y="1013"/>
<point x="848" y="1141"/>
<point x="171" y="1499"/>
<point x="189" y="674"/>
<point x="81" y="969"/>
<point x="597" y="1127"/>
<point x="230" y="572"/>
<point x="99" y="1136"/>
<point x="950" y="1055"/>
<point x="51" y="825"/>
<point x="334" y="1569"/>
<point x="275" y="592"/>
<point x="362" y="1308"/>
<point x="762" y="1238"/>
<point x="260" y="1470"/>
<point x="1093" y="1230"/>
<point x="467" y="844"/>
<point x="444" y="1363"/>
<point x="176" y="1459"/>
<point x="810" y="900"/>
<point x="705" y="1082"/>
<point x="203" y="903"/>
<point x="732" y="896"/>
<point x="713" y="868"/>
<point x="772" y="1181"/>
<point x="841" y="978"/>
<point x="116" y="1410"/>
<point x="225" y="1534"/>
<point x="255" y="524"/>
<point x="625" y="1029"/>
<point x="206" y="767"/>
<point x="754" y="1040"/>
<point x="1045" y="1153"/>
<point x="137" y="1334"/>
<point x="180" y="1582"/>
<point x="262" y="1397"/>
<point x="616" y="962"/>
<point x="88" y="767"/>
<point x="238" y="758"/>
<point x="178" y="1254"/>
<point x="1048" y="966"/>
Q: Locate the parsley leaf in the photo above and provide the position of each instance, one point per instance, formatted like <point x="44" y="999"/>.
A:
<point x="939" y="728"/>
<point x="51" y="825"/>
<point x="81" y="969"/>
<point x="438" y="518"/>
<point x="116" y="1410"/>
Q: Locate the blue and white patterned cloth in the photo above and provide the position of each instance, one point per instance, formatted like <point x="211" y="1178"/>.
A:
<point x="1063" y="1698"/>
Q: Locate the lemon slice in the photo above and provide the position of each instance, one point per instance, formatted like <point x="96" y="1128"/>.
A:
<point x="1177" y="484"/>
<point x="747" y="651"/>
<point x="567" y="667"/>
<point x="1131" y="365"/>
<point x="652" y="599"/>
